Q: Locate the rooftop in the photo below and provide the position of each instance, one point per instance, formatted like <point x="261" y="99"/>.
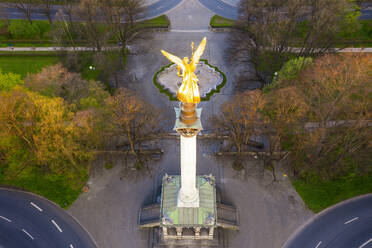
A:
<point x="203" y="216"/>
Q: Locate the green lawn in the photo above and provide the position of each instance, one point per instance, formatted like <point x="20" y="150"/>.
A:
<point x="157" y="22"/>
<point x="221" y="22"/>
<point x="41" y="37"/>
<point x="23" y="64"/>
<point x="53" y="187"/>
<point x="319" y="195"/>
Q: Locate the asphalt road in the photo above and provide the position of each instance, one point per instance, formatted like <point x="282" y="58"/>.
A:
<point x="30" y="221"/>
<point x="346" y="225"/>
<point x="226" y="10"/>
<point x="221" y="8"/>
<point x="152" y="10"/>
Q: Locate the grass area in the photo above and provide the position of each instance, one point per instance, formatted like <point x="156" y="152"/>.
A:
<point x="38" y="34"/>
<point x="319" y="195"/>
<point x="23" y="64"/>
<point x="221" y="22"/>
<point x="55" y="188"/>
<point x="157" y="22"/>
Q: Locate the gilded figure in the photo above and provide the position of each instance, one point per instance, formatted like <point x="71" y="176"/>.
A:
<point x="189" y="90"/>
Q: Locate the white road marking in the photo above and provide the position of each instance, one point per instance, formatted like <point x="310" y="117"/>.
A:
<point x="71" y="246"/>
<point x="2" y="217"/>
<point x="23" y="230"/>
<point x="320" y="242"/>
<point x="190" y="31"/>
<point x="59" y="229"/>
<point x="366" y="243"/>
<point x="347" y="222"/>
<point x="36" y="206"/>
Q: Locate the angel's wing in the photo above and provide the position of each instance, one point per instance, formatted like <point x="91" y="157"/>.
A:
<point x="174" y="59"/>
<point x="198" y="52"/>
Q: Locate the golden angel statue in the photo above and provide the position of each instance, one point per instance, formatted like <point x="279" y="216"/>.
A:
<point x="189" y="90"/>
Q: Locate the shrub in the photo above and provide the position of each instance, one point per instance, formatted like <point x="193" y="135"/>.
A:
<point x="9" y="80"/>
<point x="289" y="71"/>
<point x="22" y="29"/>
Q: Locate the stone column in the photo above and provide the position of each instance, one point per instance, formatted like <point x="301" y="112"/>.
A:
<point x="197" y="232"/>
<point x="165" y="232"/>
<point x="188" y="195"/>
<point x="211" y="229"/>
<point x="179" y="232"/>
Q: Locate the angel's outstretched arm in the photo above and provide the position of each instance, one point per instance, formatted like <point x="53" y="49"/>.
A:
<point x="174" y="59"/>
<point x="198" y="52"/>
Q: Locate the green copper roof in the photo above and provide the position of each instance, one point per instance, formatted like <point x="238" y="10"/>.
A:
<point x="204" y="215"/>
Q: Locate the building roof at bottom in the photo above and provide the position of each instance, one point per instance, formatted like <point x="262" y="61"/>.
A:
<point x="204" y="215"/>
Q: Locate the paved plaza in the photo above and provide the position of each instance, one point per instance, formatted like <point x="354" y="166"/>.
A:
<point x="268" y="213"/>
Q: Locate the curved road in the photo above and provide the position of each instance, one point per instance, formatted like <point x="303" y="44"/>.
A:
<point x="153" y="10"/>
<point x="229" y="11"/>
<point x="345" y="225"/>
<point x="30" y="221"/>
<point x="221" y="8"/>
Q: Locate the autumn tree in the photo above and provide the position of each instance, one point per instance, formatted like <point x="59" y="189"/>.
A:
<point x="134" y="119"/>
<point x="57" y="81"/>
<point x="38" y="133"/>
<point x="270" y="32"/>
<point x="334" y="132"/>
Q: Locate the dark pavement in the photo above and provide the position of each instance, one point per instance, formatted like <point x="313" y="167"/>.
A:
<point x="346" y="225"/>
<point x="152" y="10"/>
<point x="228" y="11"/>
<point x="27" y="220"/>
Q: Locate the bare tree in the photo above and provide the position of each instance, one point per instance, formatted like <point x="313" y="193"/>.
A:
<point x="25" y="6"/>
<point x="239" y="120"/>
<point x="46" y="7"/>
<point x="270" y="32"/>
<point x="134" y="119"/>
<point x="120" y="16"/>
<point x="4" y="14"/>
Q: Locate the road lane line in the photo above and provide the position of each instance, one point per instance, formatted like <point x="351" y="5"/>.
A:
<point x="366" y="243"/>
<point x="71" y="246"/>
<point x="59" y="229"/>
<point x="189" y="31"/>
<point x="347" y="222"/>
<point x="23" y="230"/>
<point x="320" y="242"/>
<point x="2" y="217"/>
<point x="36" y="206"/>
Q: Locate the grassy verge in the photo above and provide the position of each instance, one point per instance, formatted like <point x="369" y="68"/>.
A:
<point x="221" y="22"/>
<point x="41" y="37"/>
<point x="56" y="188"/>
<point x="157" y="22"/>
<point x="23" y="64"/>
<point x="319" y="195"/>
